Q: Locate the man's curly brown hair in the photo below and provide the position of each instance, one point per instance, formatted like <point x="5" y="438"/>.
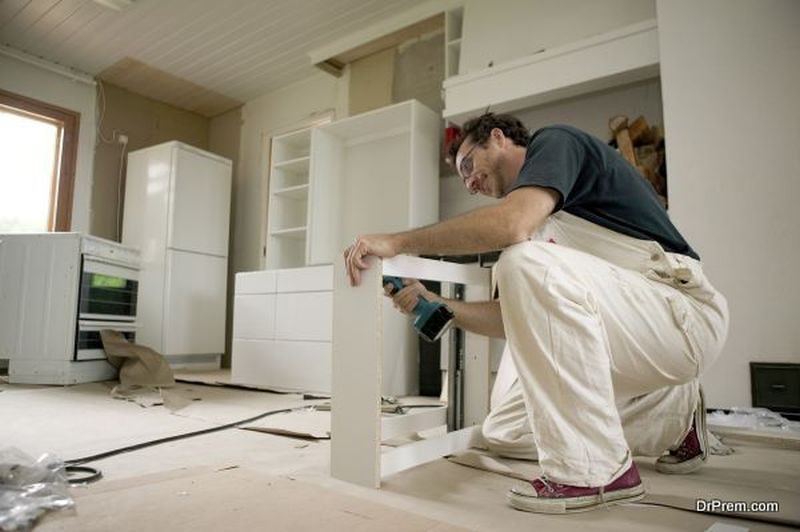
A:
<point x="479" y="129"/>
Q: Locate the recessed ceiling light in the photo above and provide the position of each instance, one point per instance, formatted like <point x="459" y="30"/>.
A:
<point x="116" y="5"/>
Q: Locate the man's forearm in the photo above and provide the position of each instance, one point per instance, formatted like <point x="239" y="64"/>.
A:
<point x="513" y="219"/>
<point x="484" y="229"/>
<point x="479" y="317"/>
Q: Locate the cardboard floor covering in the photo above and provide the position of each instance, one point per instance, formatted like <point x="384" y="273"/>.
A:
<point x="200" y="499"/>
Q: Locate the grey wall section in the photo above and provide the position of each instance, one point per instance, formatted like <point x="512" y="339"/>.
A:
<point x="591" y="112"/>
<point x="419" y="71"/>
<point x="371" y="81"/>
<point x="145" y="122"/>
<point x="225" y="139"/>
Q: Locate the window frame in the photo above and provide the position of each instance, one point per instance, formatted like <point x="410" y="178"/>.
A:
<point x="62" y="190"/>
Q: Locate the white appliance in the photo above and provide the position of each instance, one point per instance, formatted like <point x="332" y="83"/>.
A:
<point x="177" y="210"/>
<point x="57" y="291"/>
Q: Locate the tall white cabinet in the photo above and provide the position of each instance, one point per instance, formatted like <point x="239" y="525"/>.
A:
<point x="373" y="172"/>
<point x="177" y="212"/>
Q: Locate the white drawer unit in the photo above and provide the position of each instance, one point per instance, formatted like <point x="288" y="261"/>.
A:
<point x="282" y="322"/>
<point x="283" y="332"/>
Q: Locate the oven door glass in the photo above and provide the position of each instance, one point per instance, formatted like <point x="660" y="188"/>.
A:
<point x="89" y="345"/>
<point x="108" y="291"/>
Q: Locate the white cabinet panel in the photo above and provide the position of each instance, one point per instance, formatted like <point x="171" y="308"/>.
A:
<point x="302" y="366"/>
<point x="194" y="311"/>
<point x="199" y="202"/>
<point x="254" y="316"/>
<point x="304" y="316"/>
<point x="260" y="282"/>
<point x="305" y="279"/>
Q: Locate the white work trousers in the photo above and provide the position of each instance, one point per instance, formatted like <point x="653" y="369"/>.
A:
<point x="608" y="335"/>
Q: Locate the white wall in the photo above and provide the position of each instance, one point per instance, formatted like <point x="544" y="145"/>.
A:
<point x="279" y="111"/>
<point x="731" y="89"/>
<point x="34" y="82"/>
<point x="501" y="30"/>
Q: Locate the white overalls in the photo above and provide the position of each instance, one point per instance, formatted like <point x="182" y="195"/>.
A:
<point x="608" y="335"/>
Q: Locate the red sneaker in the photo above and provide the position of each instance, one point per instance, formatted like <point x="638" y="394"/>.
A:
<point x="692" y="453"/>
<point x="545" y="496"/>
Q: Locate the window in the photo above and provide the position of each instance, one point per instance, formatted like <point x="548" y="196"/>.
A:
<point x="38" y="150"/>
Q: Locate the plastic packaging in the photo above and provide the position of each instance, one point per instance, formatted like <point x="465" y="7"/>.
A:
<point x="29" y="487"/>
<point x="761" y="419"/>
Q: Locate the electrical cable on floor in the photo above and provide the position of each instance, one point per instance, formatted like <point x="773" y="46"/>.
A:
<point x="137" y="446"/>
<point x="91" y="474"/>
<point x="81" y="475"/>
<point x="306" y="396"/>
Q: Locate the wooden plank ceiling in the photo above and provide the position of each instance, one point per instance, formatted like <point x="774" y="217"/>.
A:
<point x="204" y="55"/>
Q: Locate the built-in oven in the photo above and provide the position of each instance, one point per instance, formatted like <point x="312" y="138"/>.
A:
<point x="108" y="291"/>
<point x="107" y="300"/>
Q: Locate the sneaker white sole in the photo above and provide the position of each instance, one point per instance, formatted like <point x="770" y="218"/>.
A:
<point x="574" y="504"/>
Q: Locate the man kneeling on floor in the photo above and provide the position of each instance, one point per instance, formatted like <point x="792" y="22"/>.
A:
<point x="608" y="316"/>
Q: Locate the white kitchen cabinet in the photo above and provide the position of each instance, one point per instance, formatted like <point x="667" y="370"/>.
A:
<point x="373" y="172"/>
<point x="383" y="161"/>
<point x="282" y="329"/>
<point x="177" y="212"/>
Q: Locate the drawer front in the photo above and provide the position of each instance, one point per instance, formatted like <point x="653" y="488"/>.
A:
<point x="254" y="316"/>
<point x="260" y="282"/>
<point x="312" y="278"/>
<point x="776" y="386"/>
<point x="292" y="366"/>
<point x="304" y="316"/>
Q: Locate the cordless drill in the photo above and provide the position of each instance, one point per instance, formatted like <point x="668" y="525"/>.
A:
<point x="432" y="319"/>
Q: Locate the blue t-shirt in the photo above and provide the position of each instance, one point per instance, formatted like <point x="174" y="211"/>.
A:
<point x="598" y="185"/>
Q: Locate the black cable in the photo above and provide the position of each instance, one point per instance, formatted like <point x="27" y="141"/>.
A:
<point x="235" y="386"/>
<point x="137" y="446"/>
<point x="90" y="474"/>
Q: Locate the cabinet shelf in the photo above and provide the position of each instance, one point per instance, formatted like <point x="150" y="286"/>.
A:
<point x="290" y="188"/>
<point x="297" y="165"/>
<point x="291" y="232"/>
<point x="297" y="192"/>
<point x="291" y="146"/>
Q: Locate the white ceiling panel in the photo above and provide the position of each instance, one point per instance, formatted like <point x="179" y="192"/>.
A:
<point x="237" y="48"/>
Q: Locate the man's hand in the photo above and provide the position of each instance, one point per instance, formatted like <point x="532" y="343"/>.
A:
<point x="406" y="299"/>
<point x="355" y="255"/>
